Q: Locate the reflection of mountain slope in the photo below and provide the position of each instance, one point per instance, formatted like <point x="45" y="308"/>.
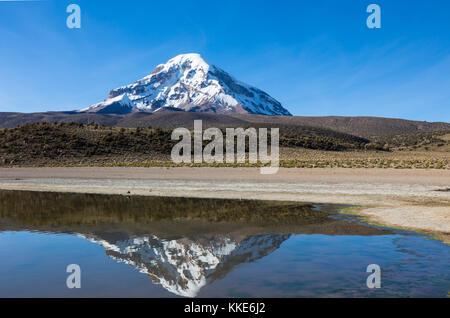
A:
<point x="184" y="266"/>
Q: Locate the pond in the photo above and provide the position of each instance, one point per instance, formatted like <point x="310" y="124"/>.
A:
<point x="182" y="247"/>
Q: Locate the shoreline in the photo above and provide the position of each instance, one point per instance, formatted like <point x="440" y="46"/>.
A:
<point x="416" y="199"/>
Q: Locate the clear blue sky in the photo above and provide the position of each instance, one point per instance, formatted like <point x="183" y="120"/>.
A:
<point x="315" y="57"/>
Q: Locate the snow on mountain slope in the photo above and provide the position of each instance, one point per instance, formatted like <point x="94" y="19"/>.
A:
<point x="184" y="266"/>
<point x="188" y="83"/>
<point x="118" y="105"/>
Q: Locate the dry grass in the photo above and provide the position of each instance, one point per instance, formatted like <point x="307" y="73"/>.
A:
<point x="419" y="159"/>
<point x="93" y="145"/>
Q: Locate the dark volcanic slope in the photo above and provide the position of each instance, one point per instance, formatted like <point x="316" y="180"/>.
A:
<point x="359" y="126"/>
<point x="11" y="120"/>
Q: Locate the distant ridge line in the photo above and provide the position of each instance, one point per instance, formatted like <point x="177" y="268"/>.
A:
<point x="363" y="126"/>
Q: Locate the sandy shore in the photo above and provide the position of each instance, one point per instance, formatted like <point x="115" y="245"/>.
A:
<point x="402" y="198"/>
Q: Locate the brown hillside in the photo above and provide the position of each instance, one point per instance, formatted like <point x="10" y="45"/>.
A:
<point x="358" y="126"/>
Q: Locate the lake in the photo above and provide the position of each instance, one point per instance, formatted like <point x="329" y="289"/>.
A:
<point x="181" y="247"/>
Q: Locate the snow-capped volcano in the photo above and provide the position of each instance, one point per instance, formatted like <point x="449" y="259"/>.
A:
<point x="188" y="83"/>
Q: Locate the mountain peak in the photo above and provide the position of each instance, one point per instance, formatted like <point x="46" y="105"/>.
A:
<point x="188" y="83"/>
<point x="195" y="57"/>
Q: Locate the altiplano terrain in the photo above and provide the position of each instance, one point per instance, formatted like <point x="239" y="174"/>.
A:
<point x="416" y="199"/>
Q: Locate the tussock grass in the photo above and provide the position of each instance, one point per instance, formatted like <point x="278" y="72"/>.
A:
<point x="75" y="144"/>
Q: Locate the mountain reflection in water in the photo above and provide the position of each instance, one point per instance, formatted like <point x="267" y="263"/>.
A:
<point x="186" y="265"/>
<point x="182" y="244"/>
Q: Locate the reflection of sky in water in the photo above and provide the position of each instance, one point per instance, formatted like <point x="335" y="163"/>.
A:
<point x="33" y="264"/>
<point x="319" y="265"/>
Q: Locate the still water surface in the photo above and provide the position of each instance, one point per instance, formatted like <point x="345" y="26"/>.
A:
<point x="178" y="247"/>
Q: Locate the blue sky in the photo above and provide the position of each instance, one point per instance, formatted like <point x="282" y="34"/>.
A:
<point x="316" y="57"/>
